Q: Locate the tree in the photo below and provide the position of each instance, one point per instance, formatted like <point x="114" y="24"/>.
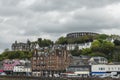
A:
<point x="102" y="36"/>
<point x="86" y="51"/>
<point x="62" y="40"/>
<point x="40" y="42"/>
<point x="97" y="54"/>
<point x="44" y="43"/>
<point x="70" y="41"/>
<point x="76" y="51"/>
<point x="96" y="45"/>
<point x="16" y="55"/>
<point x="117" y="42"/>
<point x="7" y="49"/>
<point x="28" y="42"/>
<point x="107" y="47"/>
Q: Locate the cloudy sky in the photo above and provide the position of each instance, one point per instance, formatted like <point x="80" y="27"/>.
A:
<point x="29" y="19"/>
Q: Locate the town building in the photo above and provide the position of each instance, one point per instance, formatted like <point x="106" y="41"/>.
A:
<point x="8" y="66"/>
<point x="1" y="67"/>
<point x="79" y="70"/>
<point x="79" y="60"/>
<point x="80" y="46"/>
<point x="78" y="67"/>
<point x="97" y="60"/>
<point x="28" y="46"/>
<point x="48" y="61"/>
<point x="17" y="67"/>
<point x="21" y="46"/>
<point x="103" y="69"/>
<point x="24" y="68"/>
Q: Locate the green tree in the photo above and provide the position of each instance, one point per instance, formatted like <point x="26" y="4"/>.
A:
<point x="86" y="51"/>
<point x="97" y="54"/>
<point x="117" y="42"/>
<point x="70" y="41"/>
<point x="102" y="36"/>
<point x="40" y="42"/>
<point x="62" y="40"/>
<point x="76" y="51"/>
<point x="7" y="49"/>
<point x="96" y="45"/>
<point x="44" y="42"/>
<point x="107" y="47"/>
<point x="16" y="55"/>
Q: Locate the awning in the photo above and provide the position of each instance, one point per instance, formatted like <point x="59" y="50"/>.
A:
<point x="98" y="73"/>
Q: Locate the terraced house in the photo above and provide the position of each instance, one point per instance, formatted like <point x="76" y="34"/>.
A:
<point x="50" y="61"/>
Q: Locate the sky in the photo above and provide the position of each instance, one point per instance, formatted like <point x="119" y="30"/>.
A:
<point x="31" y="19"/>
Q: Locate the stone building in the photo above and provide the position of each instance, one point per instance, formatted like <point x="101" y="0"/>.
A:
<point x="49" y="61"/>
<point x="21" y="46"/>
<point x="79" y="34"/>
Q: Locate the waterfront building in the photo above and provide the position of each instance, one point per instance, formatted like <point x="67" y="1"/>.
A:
<point x="48" y="61"/>
<point x="24" y="68"/>
<point x="17" y="67"/>
<point x="79" y="70"/>
<point x="8" y="66"/>
<point x="103" y="69"/>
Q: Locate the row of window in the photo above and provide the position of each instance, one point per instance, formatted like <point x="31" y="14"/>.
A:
<point x="78" y="69"/>
<point x="110" y="68"/>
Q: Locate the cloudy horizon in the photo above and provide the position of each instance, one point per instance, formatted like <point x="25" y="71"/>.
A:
<point x="31" y="19"/>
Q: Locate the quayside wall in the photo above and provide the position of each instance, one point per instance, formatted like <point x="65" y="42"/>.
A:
<point x="49" y="78"/>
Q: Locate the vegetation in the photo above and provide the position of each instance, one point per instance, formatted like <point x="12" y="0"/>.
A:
<point x="81" y="39"/>
<point x="16" y="55"/>
<point x="44" y="42"/>
<point x="100" y="47"/>
<point x="75" y="52"/>
<point x="62" y="40"/>
<point x="117" y="42"/>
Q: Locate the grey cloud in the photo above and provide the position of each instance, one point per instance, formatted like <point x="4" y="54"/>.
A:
<point x="52" y="18"/>
<point x="66" y="5"/>
<point x="10" y="2"/>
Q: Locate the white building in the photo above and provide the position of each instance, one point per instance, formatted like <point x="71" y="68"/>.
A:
<point x="24" y="68"/>
<point x="97" y="60"/>
<point x="81" y="71"/>
<point x="18" y="68"/>
<point x="103" y="69"/>
<point x="80" y="46"/>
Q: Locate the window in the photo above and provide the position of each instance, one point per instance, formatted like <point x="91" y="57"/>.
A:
<point x="53" y="53"/>
<point x="41" y="58"/>
<point x="41" y="62"/>
<point x="101" y="68"/>
<point x="39" y="53"/>
<point x="38" y="58"/>
<point x="118" y="68"/>
<point x="34" y="58"/>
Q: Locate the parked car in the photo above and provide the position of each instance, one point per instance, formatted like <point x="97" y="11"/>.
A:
<point x="3" y="74"/>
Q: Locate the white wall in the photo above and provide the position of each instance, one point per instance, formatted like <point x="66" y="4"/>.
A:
<point x="18" y="69"/>
<point x="105" y="68"/>
<point x="81" y="46"/>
